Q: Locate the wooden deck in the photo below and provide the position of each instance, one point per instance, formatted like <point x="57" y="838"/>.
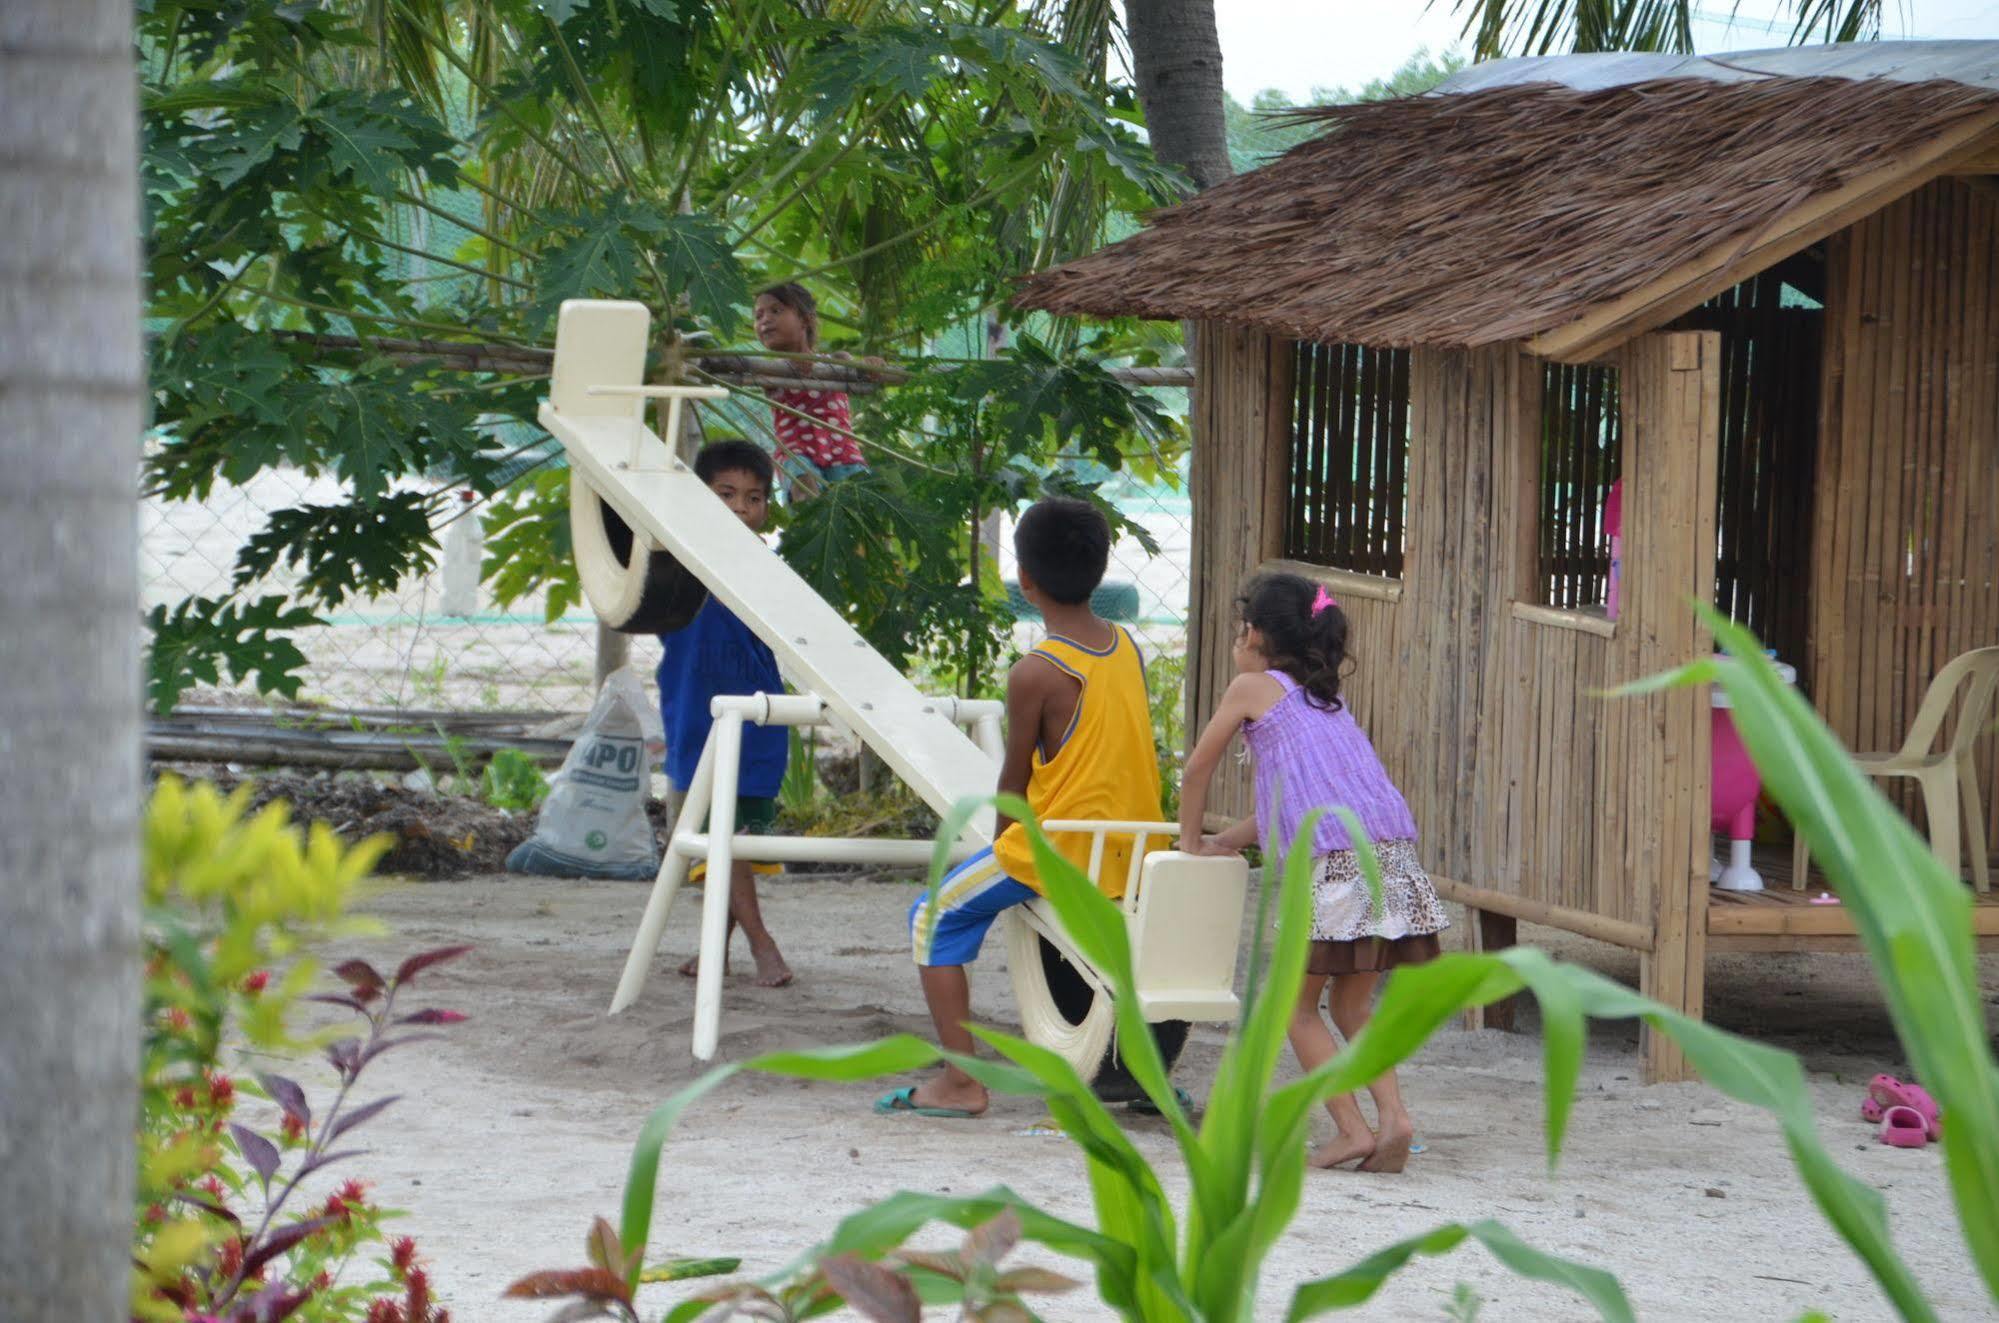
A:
<point x="1780" y="919"/>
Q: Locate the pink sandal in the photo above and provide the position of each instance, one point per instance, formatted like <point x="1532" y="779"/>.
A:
<point x="1885" y="1092"/>
<point x="1904" y="1127"/>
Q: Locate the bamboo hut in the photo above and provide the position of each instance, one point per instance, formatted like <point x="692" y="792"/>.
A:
<point x="1761" y="290"/>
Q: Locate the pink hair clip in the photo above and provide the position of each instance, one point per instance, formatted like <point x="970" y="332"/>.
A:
<point x="1322" y="601"/>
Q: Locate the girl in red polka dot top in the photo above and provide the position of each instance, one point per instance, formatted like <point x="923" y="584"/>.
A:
<point x="815" y="440"/>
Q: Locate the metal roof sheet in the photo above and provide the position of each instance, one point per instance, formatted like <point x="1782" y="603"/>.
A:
<point x="1973" y="63"/>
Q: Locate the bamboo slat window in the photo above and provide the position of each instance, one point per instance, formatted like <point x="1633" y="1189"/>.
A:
<point x="1347" y="486"/>
<point x="1581" y="456"/>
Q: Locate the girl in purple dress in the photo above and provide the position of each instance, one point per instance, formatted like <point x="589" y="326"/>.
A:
<point x="1310" y="753"/>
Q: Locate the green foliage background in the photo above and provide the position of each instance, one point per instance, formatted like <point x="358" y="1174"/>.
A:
<point x="445" y="174"/>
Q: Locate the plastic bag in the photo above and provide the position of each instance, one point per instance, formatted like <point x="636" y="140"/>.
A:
<point x="593" y="823"/>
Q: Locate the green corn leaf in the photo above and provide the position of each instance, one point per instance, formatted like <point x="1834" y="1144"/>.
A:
<point x="1118" y="1169"/>
<point x="1246" y="1169"/>
<point x="1694" y="672"/>
<point x="1359" y="1283"/>
<point x="889" y="1056"/>
<point x="949" y="831"/>
<point x="1420" y="998"/>
<point x="1231" y="1129"/>
<point x="1563" y="1036"/>
<point x="1913" y="916"/>
<point x="635" y="1222"/>
<point x="1097" y="925"/>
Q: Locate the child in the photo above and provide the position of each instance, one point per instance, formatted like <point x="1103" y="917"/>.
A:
<point x="1079" y="745"/>
<point x="717" y="654"/>
<point x="1310" y="753"/>
<point x="820" y="446"/>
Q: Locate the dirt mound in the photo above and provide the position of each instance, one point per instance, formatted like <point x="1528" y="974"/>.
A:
<point x="436" y="835"/>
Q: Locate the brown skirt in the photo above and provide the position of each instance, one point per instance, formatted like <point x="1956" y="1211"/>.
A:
<point x="1371" y="955"/>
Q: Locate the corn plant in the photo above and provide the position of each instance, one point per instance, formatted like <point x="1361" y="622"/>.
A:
<point x="1246" y="1159"/>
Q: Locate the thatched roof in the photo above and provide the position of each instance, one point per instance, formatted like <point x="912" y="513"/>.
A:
<point x="1508" y="212"/>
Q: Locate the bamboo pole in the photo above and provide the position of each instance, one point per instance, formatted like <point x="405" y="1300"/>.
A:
<point x="732" y="369"/>
<point x="1618" y="932"/>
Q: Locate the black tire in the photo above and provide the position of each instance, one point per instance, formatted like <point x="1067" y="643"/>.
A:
<point x="1111" y="1082"/>
<point x="656" y="596"/>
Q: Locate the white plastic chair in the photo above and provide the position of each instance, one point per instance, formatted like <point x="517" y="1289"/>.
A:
<point x="1946" y="774"/>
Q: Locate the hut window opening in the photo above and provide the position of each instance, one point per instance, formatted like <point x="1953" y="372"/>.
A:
<point x="1347" y="481"/>
<point x="1581" y="460"/>
<point x="1772" y="336"/>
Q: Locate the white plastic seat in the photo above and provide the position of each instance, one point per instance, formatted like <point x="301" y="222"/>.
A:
<point x="1945" y="770"/>
<point x="1185" y="935"/>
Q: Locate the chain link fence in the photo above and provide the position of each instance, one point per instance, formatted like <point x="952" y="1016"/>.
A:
<point x="440" y="643"/>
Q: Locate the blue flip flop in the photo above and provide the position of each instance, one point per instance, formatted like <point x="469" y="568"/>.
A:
<point x="904" y="1100"/>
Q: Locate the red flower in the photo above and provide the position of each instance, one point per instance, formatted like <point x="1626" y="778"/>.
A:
<point x="178" y="1020"/>
<point x="221" y="1090"/>
<point x="184" y="1098"/>
<point x="257" y="982"/>
<point x="213" y="1185"/>
<point x="156" y="1214"/>
<point x="385" y="1311"/>
<point x="350" y="1197"/>
<point x="418" y="1297"/>
<point x="322" y="1281"/>
<point x="294" y="1129"/>
<point x="230" y="1259"/>
<point x="402" y="1254"/>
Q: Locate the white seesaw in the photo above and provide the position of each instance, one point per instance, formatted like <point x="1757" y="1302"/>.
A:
<point x="652" y="541"/>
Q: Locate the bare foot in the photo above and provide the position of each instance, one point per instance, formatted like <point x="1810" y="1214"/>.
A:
<point x="1391" y="1147"/>
<point x="772" y="972"/>
<point x="693" y="966"/>
<point x="942" y="1091"/>
<point x="1342" y="1149"/>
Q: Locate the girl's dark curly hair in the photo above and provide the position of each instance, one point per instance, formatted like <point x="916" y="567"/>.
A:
<point x="1308" y="646"/>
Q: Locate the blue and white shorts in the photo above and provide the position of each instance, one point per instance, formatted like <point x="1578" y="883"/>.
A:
<point x="969" y="898"/>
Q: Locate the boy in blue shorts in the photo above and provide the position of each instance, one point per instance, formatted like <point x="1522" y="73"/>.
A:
<point x="717" y="654"/>
<point x="1079" y="746"/>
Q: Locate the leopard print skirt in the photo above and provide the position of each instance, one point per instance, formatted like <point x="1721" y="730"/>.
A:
<point x="1349" y="936"/>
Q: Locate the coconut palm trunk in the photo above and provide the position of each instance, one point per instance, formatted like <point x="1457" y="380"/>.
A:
<point x="70" y="411"/>
<point x="1177" y="60"/>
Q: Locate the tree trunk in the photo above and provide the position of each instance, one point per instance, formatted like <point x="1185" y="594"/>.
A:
<point x="1177" y="60"/>
<point x="71" y="384"/>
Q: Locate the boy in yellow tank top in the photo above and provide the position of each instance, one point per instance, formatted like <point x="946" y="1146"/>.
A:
<point x="1079" y="745"/>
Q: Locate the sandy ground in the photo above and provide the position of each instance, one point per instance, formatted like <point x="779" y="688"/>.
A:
<point x="518" y="1127"/>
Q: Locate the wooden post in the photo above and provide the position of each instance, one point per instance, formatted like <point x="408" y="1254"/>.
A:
<point x="1672" y="405"/>
<point x="1492" y="933"/>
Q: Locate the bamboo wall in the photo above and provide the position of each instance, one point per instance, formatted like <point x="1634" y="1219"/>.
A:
<point x="1523" y="781"/>
<point x="1906" y="539"/>
<point x="1241" y="397"/>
